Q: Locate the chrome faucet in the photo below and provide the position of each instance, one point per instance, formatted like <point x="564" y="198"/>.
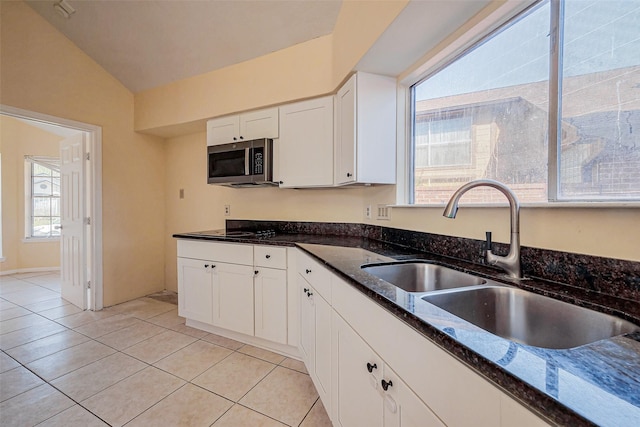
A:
<point x="511" y="262"/>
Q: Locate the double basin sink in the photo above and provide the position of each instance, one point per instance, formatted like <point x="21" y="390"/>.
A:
<point x="509" y="312"/>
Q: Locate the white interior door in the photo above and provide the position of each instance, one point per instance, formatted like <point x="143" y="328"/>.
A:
<point x="73" y="241"/>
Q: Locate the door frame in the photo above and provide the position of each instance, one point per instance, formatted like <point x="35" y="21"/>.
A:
<point x="93" y="196"/>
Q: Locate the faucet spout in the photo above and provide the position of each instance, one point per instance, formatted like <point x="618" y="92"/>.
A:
<point x="511" y="262"/>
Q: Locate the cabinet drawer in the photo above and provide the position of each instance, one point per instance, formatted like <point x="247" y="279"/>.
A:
<point x="316" y="274"/>
<point x="270" y="256"/>
<point x="232" y="253"/>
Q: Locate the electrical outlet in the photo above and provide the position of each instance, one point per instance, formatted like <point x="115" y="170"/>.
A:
<point x="227" y="210"/>
<point x="367" y="212"/>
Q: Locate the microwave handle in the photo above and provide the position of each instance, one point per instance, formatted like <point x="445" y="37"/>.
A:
<point x="247" y="152"/>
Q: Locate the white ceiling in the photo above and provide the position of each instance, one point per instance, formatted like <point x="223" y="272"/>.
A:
<point x="149" y="43"/>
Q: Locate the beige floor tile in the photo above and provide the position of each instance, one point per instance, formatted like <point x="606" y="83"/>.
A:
<point x="168" y="319"/>
<point x="234" y="376"/>
<point x="46" y="305"/>
<point x="46" y="346"/>
<point x="317" y="417"/>
<point x="77" y="320"/>
<point x="23" y="336"/>
<point x="284" y="394"/>
<point x="188" y="330"/>
<point x="76" y="416"/>
<point x="6" y="305"/>
<point x="104" y="326"/>
<point x="31" y="295"/>
<point x="122" y="402"/>
<point x="60" y="311"/>
<point x="70" y="359"/>
<point x="95" y="377"/>
<point x="13" y="286"/>
<point x="263" y="354"/>
<point x="13" y="312"/>
<point x="143" y="308"/>
<point x="240" y="416"/>
<point x="7" y="363"/>
<point x="193" y="360"/>
<point x="33" y="407"/>
<point x="190" y="406"/>
<point x="17" y="381"/>
<point x="294" y="364"/>
<point x="22" y="322"/>
<point x="131" y="335"/>
<point x="159" y="346"/>
<point x="223" y="341"/>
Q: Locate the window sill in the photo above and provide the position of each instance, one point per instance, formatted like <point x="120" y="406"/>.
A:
<point x="40" y="239"/>
<point x="556" y="205"/>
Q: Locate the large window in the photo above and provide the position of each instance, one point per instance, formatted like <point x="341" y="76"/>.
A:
<point x="549" y="104"/>
<point x="43" y="197"/>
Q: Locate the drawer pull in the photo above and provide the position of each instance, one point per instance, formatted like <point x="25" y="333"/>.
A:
<point x="386" y="385"/>
<point x="267" y="256"/>
<point x="308" y="271"/>
<point x="371" y="367"/>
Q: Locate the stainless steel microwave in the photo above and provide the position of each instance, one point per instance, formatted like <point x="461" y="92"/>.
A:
<point x="238" y="164"/>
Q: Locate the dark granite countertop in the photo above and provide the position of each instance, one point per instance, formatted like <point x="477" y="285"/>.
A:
<point x="594" y="384"/>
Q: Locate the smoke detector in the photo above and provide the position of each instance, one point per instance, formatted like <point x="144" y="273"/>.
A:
<point x="64" y="9"/>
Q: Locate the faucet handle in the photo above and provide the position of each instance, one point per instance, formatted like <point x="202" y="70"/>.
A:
<point x="487" y="243"/>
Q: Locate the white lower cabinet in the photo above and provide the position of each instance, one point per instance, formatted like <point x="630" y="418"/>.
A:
<point x="233" y="297"/>
<point x="195" y="290"/>
<point x="366" y="390"/>
<point x="315" y="338"/>
<point x="219" y="284"/>
<point x="271" y="304"/>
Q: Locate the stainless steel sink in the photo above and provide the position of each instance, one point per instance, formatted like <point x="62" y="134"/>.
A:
<point x="529" y="318"/>
<point x="419" y="276"/>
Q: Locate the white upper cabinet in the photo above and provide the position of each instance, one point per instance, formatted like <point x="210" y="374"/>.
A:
<point x="243" y="127"/>
<point x="305" y="146"/>
<point x="365" y="143"/>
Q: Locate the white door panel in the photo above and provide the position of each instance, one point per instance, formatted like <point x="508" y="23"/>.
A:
<point x="73" y="274"/>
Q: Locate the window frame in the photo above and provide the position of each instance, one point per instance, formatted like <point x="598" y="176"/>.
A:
<point x="475" y="35"/>
<point x="29" y="162"/>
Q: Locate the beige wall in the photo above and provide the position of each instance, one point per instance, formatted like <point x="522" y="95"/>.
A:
<point x="305" y="70"/>
<point x="203" y="205"/>
<point x="612" y="232"/>
<point x="43" y="71"/>
<point x="18" y="139"/>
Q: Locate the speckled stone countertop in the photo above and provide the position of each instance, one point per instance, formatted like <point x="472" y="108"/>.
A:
<point x="594" y="384"/>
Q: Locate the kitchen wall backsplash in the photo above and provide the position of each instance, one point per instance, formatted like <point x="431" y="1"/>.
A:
<point x="614" y="277"/>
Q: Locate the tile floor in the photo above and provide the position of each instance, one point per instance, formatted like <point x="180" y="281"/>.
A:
<point x="135" y="364"/>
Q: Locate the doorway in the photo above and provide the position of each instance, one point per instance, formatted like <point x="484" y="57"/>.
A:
<point x="81" y="233"/>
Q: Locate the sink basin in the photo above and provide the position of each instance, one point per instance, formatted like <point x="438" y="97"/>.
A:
<point x="530" y="318"/>
<point x="417" y="276"/>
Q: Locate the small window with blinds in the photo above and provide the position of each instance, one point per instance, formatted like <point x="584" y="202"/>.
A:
<point x="42" y="195"/>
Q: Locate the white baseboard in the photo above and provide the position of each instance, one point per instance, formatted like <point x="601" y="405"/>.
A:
<point x="283" y="349"/>
<point x="29" y="270"/>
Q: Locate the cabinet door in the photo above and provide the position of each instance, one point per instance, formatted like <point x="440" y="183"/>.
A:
<point x="306" y="143"/>
<point x="233" y="297"/>
<point x="259" y="124"/>
<point x="195" y="289"/>
<point x="402" y="408"/>
<point x="345" y="144"/>
<point x="322" y="367"/>
<point x="307" y="324"/>
<point x="358" y="401"/>
<point x="223" y="130"/>
<point x="271" y="304"/>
